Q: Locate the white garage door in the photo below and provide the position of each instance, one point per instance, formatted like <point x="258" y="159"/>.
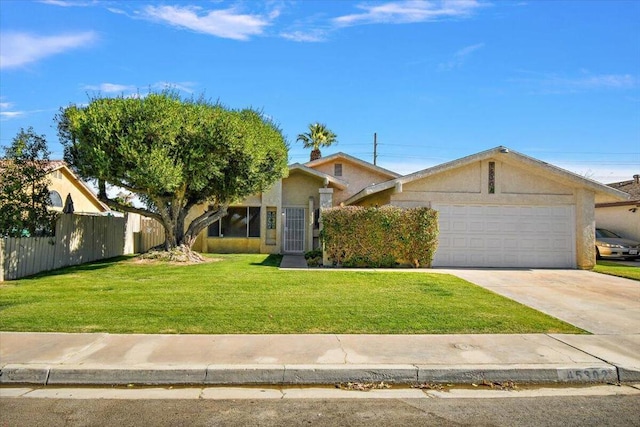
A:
<point x="506" y="236"/>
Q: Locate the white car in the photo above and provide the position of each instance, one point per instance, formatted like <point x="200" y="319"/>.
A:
<point x="610" y="245"/>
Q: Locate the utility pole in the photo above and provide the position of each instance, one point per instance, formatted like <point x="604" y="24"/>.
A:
<point x="375" y="148"/>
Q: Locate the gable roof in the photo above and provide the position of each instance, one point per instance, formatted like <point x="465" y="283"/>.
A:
<point x="328" y="179"/>
<point x="357" y="161"/>
<point x="506" y="155"/>
<point x="54" y="165"/>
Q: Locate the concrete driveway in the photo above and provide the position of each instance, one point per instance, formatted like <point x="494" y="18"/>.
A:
<point x="598" y="303"/>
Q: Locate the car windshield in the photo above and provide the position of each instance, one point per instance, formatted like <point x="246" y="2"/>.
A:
<point x="601" y="232"/>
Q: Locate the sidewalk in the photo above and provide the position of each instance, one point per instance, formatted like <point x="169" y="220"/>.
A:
<point x="101" y="359"/>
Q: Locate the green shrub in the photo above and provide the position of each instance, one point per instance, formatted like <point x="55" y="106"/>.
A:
<point x="380" y="237"/>
<point x="314" y="258"/>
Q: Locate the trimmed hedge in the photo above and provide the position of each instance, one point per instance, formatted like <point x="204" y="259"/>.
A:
<point x="355" y="236"/>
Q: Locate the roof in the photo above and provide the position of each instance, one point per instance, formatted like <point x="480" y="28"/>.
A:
<point x="352" y="159"/>
<point x="631" y="187"/>
<point x="498" y="152"/>
<point x="54" y="165"/>
<point x="328" y="179"/>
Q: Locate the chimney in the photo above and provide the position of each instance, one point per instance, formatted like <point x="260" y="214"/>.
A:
<point x="636" y="178"/>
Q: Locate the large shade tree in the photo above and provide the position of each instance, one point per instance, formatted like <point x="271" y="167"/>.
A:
<point x="24" y="193"/>
<point x="175" y="154"/>
<point x="318" y="136"/>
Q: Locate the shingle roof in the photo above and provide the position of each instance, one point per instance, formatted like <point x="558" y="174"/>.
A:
<point x="632" y="187"/>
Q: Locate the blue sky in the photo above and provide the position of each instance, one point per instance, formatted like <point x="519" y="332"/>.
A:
<point x="436" y="80"/>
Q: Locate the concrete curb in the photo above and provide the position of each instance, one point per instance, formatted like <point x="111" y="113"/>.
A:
<point x="309" y="374"/>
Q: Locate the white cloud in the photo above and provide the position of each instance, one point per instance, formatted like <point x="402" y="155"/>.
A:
<point x="111" y="88"/>
<point x="17" y="49"/>
<point x="133" y="90"/>
<point x="225" y="23"/>
<point x="315" y="35"/>
<point x="6" y="115"/>
<point x="460" y="56"/>
<point x="187" y="87"/>
<point x="116" y="11"/>
<point x="69" y="3"/>
<point x="623" y="81"/>
<point x="5" y="111"/>
<point x="408" y="11"/>
<point x="550" y="83"/>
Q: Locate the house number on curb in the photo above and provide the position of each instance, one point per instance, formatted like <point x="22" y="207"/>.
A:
<point x="588" y="375"/>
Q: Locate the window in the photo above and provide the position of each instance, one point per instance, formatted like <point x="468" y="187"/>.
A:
<point x="337" y="169"/>
<point x="271" y="219"/>
<point x="492" y="177"/>
<point x="241" y="221"/>
<point x="54" y="199"/>
<point x="316" y="219"/>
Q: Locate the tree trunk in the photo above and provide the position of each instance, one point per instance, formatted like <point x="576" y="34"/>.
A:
<point x="315" y="155"/>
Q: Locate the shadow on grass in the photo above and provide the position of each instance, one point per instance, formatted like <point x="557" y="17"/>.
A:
<point x="90" y="266"/>
<point x="270" y="261"/>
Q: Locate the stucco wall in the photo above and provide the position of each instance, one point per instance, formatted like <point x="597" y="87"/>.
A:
<point x="469" y="184"/>
<point x="357" y="176"/>
<point x="620" y="219"/>
<point x="233" y="245"/>
<point x="64" y="184"/>
<point x="298" y="187"/>
<point x="378" y="199"/>
<point x="461" y="180"/>
<point x="514" y="185"/>
<point x="513" y="180"/>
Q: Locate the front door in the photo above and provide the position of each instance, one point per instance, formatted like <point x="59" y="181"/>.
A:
<point x="293" y="230"/>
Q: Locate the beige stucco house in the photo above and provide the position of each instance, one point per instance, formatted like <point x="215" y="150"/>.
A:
<point x="63" y="182"/>
<point x="622" y="217"/>
<point x="498" y="208"/>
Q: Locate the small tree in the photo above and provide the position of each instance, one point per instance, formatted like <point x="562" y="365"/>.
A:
<point x="24" y="193"/>
<point x="174" y="154"/>
<point x="318" y="136"/>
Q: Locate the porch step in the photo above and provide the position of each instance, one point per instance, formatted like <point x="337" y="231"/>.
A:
<point x="293" y="261"/>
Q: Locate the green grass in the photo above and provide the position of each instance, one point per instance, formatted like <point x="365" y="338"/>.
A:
<point x="615" y="269"/>
<point x="248" y="294"/>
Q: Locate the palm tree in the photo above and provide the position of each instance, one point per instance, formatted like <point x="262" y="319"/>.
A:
<point x="318" y="136"/>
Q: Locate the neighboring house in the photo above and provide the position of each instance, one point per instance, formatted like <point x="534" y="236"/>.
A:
<point x="498" y="208"/>
<point x="622" y="217"/>
<point x="63" y="182"/>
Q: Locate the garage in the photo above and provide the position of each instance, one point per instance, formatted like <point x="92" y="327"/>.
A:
<point x="502" y="209"/>
<point x="506" y="236"/>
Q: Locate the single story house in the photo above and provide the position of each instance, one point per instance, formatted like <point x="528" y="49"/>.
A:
<point x="497" y="208"/>
<point x="622" y="217"/>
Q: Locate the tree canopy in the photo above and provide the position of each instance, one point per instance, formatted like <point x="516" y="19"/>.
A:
<point x="24" y="193"/>
<point x="318" y="136"/>
<point x="175" y="154"/>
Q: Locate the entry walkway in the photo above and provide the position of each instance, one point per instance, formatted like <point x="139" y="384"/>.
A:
<point x="293" y="261"/>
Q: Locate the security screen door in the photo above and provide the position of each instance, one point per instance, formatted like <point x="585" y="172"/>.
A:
<point x="293" y="230"/>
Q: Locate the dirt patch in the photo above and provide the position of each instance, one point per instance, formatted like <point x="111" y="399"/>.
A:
<point x="157" y="257"/>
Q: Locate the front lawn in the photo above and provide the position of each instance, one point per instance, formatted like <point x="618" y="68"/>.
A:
<point x="616" y="269"/>
<point x="248" y="294"/>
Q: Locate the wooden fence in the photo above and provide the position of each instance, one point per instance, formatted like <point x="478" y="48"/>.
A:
<point x="142" y="234"/>
<point x="78" y="239"/>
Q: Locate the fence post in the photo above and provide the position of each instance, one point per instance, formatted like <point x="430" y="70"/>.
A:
<point x="2" y="259"/>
